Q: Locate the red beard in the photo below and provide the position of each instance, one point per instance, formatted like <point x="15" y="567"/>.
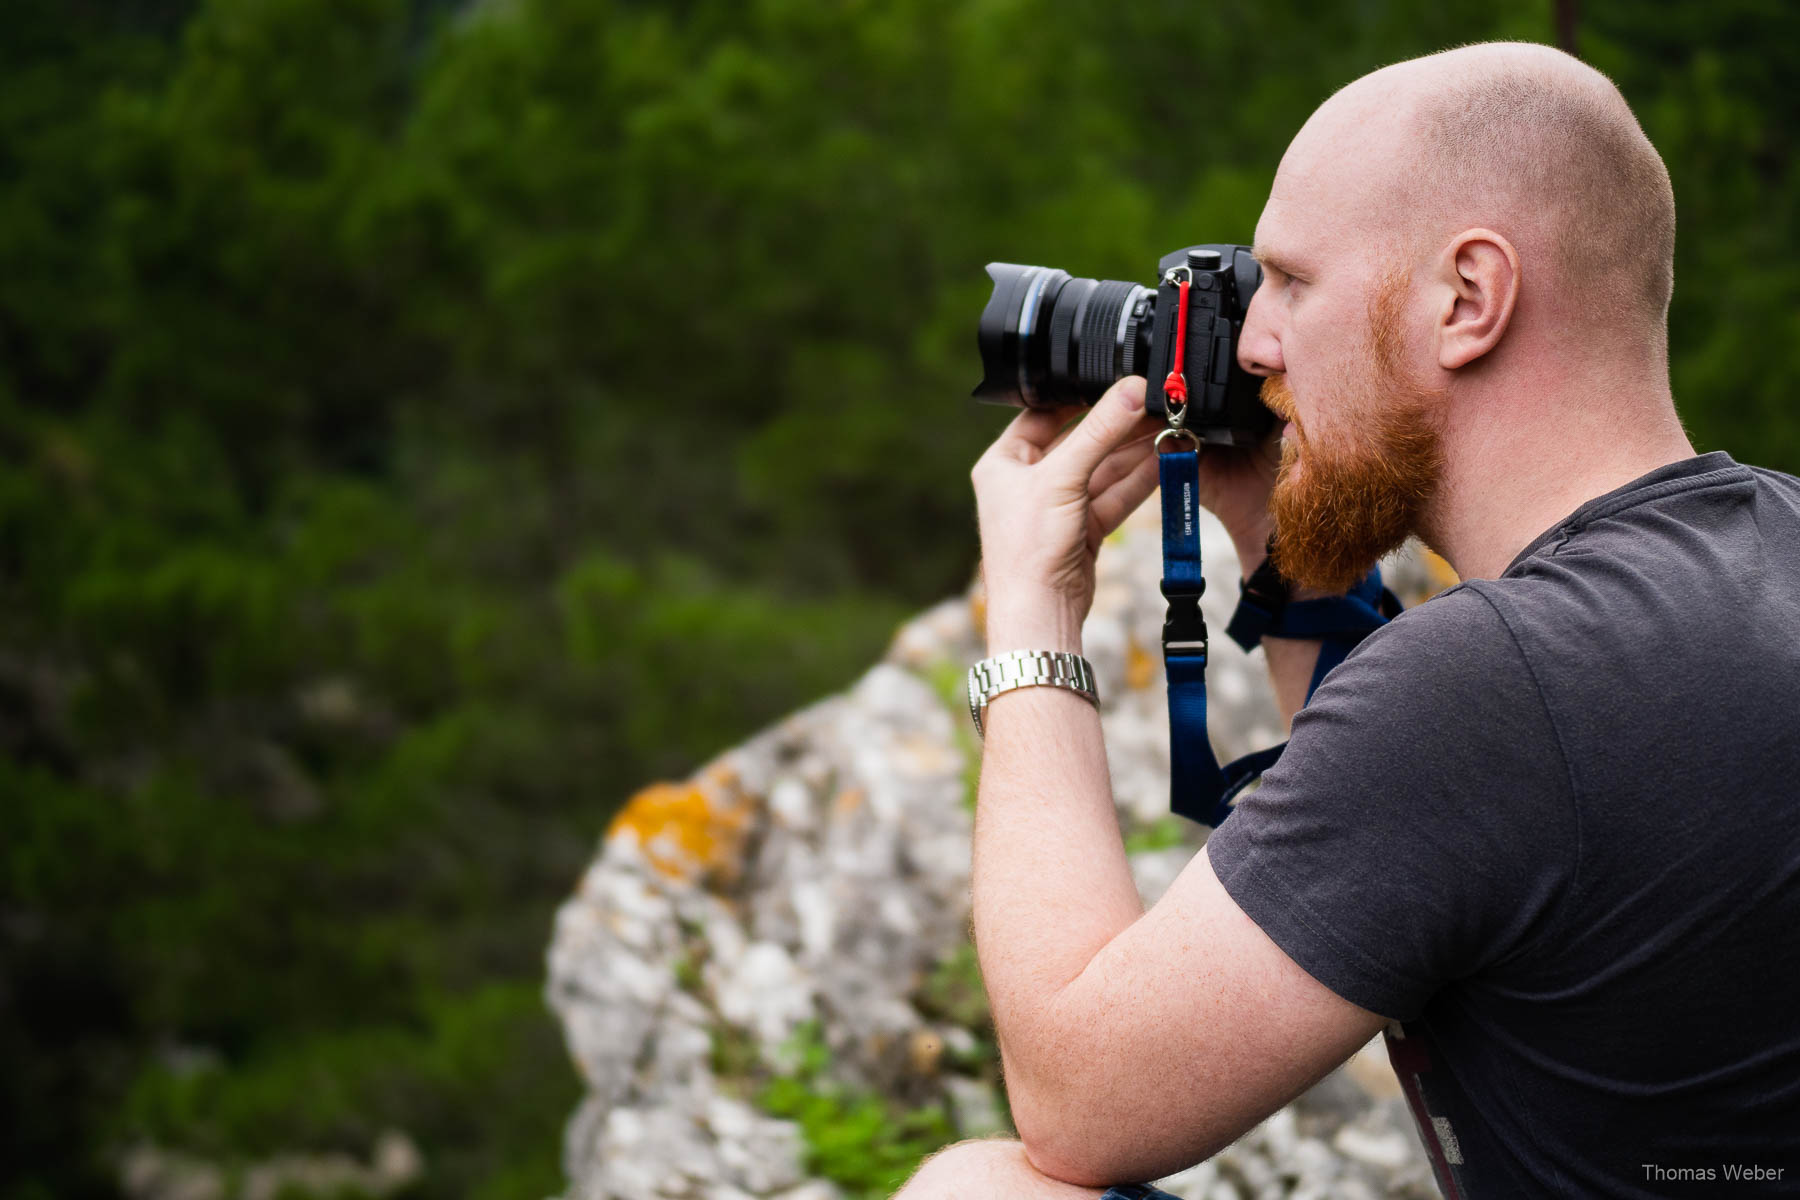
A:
<point x="1340" y="507"/>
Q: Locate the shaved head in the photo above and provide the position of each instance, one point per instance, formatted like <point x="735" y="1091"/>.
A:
<point x="1527" y="141"/>
<point x="1463" y="318"/>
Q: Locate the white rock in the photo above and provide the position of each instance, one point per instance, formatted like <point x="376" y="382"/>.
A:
<point x="1316" y="1160"/>
<point x="725" y="940"/>
<point x="1154" y="870"/>
<point x="791" y="803"/>
<point x="766" y="993"/>
<point x="854" y="886"/>
<point x="654" y="1152"/>
<point x="1197" y="1180"/>
<point x="975" y="1107"/>
<point x="815" y="1189"/>
<point x="756" y="1152"/>
<point x="724" y="1191"/>
<point x="1388" y="1149"/>
<point x="818" y="916"/>
<point x="957" y="1040"/>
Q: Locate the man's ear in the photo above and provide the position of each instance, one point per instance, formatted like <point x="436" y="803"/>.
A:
<point x="1481" y="271"/>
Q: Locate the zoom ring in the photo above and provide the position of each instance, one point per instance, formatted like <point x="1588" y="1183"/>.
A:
<point x="1100" y="332"/>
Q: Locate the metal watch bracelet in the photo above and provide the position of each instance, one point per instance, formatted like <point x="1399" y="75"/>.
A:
<point x="1028" y="668"/>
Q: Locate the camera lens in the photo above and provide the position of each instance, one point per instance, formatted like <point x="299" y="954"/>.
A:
<point x="1049" y="340"/>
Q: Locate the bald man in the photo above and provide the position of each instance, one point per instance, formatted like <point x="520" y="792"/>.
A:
<point x="1542" y="830"/>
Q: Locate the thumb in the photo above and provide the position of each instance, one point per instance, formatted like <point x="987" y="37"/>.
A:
<point x="1111" y="423"/>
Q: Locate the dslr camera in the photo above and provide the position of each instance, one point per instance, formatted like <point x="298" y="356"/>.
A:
<point x="1048" y="340"/>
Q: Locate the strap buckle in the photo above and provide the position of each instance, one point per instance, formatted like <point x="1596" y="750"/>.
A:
<point x="1184" y="629"/>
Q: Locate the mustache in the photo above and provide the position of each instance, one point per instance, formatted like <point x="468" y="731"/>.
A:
<point x="1279" y="400"/>
<point x="1278" y="397"/>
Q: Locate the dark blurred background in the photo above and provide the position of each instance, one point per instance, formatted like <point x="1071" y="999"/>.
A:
<point x="425" y="423"/>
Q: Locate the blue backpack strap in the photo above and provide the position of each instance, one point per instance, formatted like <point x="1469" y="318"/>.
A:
<point x="1199" y="788"/>
<point x="1340" y="622"/>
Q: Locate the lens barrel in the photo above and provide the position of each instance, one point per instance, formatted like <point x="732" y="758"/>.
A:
<point x="1048" y="340"/>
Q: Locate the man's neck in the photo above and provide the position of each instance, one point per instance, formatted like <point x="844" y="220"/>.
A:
<point x="1516" y="466"/>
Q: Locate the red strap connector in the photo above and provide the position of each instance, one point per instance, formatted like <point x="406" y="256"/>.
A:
<point x="1175" y="386"/>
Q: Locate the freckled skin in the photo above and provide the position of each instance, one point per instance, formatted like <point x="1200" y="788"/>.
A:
<point x="1538" y="394"/>
<point x="1498" y="369"/>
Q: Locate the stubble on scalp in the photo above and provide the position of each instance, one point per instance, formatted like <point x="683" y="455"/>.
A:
<point x="1544" y="148"/>
<point x="1341" y="502"/>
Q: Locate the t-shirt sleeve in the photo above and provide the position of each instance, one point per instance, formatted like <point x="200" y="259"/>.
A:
<point x="1420" y="825"/>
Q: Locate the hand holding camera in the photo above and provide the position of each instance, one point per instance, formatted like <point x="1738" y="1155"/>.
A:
<point x="1047" y="494"/>
<point x="1053" y="343"/>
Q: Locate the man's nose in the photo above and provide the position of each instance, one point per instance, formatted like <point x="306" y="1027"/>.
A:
<point x="1259" y="349"/>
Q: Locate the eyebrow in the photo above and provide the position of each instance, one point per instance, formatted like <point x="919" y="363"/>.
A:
<point x="1273" y="261"/>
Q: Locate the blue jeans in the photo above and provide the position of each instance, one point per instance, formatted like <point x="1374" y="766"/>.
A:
<point x="1137" y="1191"/>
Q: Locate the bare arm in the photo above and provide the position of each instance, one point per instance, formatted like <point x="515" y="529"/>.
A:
<point x="1131" y="1041"/>
<point x="1051" y="885"/>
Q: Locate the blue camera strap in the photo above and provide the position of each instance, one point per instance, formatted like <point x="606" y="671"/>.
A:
<point x="1199" y="788"/>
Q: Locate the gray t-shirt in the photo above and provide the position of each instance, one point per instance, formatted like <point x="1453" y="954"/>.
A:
<point x="1550" y="825"/>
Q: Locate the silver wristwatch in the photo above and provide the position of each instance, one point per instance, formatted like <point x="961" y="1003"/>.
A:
<point x="1028" y="668"/>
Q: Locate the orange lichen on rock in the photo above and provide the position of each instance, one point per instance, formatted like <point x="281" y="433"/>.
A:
<point x="1140" y="669"/>
<point x="847" y="802"/>
<point x="688" y="830"/>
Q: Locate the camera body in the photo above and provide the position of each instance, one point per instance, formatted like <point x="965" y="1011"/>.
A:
<point x="1048" y="340"/>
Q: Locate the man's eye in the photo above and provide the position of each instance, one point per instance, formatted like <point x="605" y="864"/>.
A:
<point x="1279" y="280"/>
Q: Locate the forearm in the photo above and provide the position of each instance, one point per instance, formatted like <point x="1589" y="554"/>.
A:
<point x="1051" y="884"/>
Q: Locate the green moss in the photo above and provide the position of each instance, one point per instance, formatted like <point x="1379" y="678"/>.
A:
<point x="862" y="1142"/>
<point x="950" y="681"/>
<point x="954" y="991"/>
<point x="734" y="1056"/>
<point x="1168" y="831"/>
<point x="687" y="974"/>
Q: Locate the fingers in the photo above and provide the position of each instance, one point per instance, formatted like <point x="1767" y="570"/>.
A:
<point x="1121" y="462"/>
<point x="1034" y="431"/>
<point x="1114" y="420"/>
<point x="1121" y="498"/>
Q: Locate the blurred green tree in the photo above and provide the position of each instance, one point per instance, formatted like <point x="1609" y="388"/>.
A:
<point x="430" y="421"/>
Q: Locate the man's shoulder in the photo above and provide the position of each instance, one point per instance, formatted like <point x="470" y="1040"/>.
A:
<point x="1543" y="638"/>
<point x="1418" y="826"/>
<point x="1459" y="609"/>
<point x="1446" y="678"/>
<point x="1455" y="635"/>
<point x="1769" y="475"/>
<point x="1778" y="483"/>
